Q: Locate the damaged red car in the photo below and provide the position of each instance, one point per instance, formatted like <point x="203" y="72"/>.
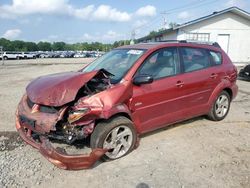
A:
<point x="128" y="91"/>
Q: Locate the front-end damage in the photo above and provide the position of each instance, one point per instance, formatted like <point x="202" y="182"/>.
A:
<point x="58" y="156"/>
<point x="68" y="112"/>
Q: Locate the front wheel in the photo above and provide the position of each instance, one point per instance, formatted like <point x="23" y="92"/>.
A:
<point x="117" y="134"/>
<point x="220" y="107"/>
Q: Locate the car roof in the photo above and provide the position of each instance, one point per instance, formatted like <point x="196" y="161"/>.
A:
<point x="152" y="45"/>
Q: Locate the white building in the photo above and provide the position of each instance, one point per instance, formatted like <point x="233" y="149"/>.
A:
<point x="229" y="27"/>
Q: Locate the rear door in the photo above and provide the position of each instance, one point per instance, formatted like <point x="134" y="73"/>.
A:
<point x="199" y="79"/>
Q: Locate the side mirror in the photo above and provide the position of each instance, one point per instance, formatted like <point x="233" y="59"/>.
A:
<point x="142" y="79"/>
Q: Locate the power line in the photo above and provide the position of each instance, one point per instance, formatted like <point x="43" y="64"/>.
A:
<point x="170" y="11"/>
<point x="152" y="20"/>
<point x="185" y="5"/>
<point x="192" y="5"/>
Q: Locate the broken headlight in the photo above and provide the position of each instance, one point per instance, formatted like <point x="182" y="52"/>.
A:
<point x="77" y="114"/>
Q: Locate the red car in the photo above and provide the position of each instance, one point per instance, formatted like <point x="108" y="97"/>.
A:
<point x="128" y="91"/>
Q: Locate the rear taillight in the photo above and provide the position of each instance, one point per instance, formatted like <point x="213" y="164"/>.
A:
<point x="233" y="74"/>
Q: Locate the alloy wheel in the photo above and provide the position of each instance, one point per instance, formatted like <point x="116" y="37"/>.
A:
<point x="118" y="141"/>
<point x="221" y="106"/>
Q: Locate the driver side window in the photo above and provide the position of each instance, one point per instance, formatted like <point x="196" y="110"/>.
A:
<point x="162" y="63"/>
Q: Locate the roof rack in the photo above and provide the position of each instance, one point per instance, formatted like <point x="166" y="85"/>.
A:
<point x="215" y="44"/>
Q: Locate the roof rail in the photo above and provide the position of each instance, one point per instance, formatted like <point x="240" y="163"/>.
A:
<point x="180" y="41"/>
<point x="215" y="44"/>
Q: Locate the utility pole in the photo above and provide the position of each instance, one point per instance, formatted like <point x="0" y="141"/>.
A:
<point x="132" y="41"/>
<point x="165" y="23"/>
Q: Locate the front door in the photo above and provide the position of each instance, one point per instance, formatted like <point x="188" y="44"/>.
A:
<point x="160" y="102"/>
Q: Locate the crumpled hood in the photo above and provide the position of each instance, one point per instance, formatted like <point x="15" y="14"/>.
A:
<point x="57" y="89"/>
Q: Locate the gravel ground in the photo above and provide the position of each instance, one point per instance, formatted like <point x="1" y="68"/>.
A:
<point x="194" y="153"/>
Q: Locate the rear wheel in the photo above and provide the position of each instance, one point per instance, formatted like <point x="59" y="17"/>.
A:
<point x="117" y="134"/>
<point x="220" y="107"/>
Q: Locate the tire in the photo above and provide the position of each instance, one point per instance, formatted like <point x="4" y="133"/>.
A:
<point x="5" y="58"/>
<point x="119" y="145"/>
<point x="220" y="107"/>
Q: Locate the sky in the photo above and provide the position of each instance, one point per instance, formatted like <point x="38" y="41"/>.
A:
<point x="106" y="21"/>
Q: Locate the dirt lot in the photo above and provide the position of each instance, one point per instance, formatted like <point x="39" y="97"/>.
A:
<point x="195" y="153"/>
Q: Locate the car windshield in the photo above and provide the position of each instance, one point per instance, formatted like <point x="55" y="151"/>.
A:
<point x="117" y="62"/>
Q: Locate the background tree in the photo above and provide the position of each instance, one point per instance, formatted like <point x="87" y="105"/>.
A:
<point x="31" y="46"/>
<point x="19" y="45"/>
<point x="58" y="46"/>
<point x="7" y="45"/>
<point x="44" y="46"/>
<point x="172" y="24"/>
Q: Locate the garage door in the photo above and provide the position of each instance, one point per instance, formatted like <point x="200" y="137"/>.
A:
<point x="223" y="40"/>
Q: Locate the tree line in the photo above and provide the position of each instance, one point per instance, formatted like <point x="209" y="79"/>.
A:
<point x="19" y="45"/>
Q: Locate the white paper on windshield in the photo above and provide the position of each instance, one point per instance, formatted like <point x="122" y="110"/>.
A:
<point x="135" y="52"/>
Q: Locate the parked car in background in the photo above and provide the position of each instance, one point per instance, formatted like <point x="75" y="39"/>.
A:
<point x="11" y="55"/>
<point x="244" y="73"/>
<point x="52" y="54"/>
<point x="43" y="55"/>
<point x="129" y="91"/>
<point x="67" y="54"/>
<point x="26" y="55"/>
<point x="70" y="54"/>
<point x="79" y="55"/>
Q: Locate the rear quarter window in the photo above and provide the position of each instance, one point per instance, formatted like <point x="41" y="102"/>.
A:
<point x="215" y="58"/>
<point x="194" y="59"/>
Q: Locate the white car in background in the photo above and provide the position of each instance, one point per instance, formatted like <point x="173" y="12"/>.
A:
<point x="79" y="55"/>
<point x="11" y="55"/>
<point x="44" y="55"/>
<point x="26" y="55"/>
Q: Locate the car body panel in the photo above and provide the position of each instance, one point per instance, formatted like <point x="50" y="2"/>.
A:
<point x="109" y="102"/>
<point x="57" y="89"/>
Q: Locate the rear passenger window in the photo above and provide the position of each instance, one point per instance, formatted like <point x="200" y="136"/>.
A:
<point x="215" y="58"/>
<point x="194" y="59"/>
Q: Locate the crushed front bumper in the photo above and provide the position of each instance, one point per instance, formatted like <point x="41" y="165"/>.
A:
<point x="58" y="156"/>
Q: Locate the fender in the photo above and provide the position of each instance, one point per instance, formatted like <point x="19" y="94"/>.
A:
<point x="219" y="88"/>
<point x="117" y="109"/>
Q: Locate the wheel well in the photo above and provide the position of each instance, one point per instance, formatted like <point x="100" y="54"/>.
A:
<point x="114" y="116"/>
<point x="229" y="91"/>
<point x="121" y="114"/>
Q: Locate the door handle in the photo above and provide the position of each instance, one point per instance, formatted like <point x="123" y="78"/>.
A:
<point x="179" y="83"/>
<point x="213" y="75"/>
